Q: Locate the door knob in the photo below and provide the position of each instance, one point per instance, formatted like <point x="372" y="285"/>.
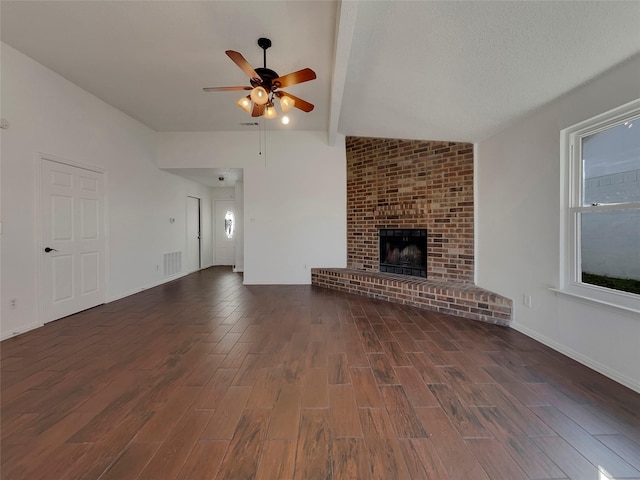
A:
<point x="48" y="249"/>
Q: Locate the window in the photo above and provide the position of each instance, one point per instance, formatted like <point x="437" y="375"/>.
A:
<point x="229" y="224"/>
<point x="602" y="214"/>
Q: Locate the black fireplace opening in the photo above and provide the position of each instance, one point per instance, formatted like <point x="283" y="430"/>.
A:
<point x="403" y="251"/>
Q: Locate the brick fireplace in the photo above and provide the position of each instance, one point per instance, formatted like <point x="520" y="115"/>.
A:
<point x="413" y="184"/>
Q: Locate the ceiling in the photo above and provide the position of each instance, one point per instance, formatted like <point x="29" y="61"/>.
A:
<point x="433" y="70"/>
<point x="151" y="59"/>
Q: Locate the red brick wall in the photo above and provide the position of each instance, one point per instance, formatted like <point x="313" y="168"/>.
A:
<point x="411" y="184"/>
<point x="461" y="299"/>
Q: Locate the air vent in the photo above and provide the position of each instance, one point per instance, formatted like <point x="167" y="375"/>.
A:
<point x="172" y="263"/>
<point x="249" y="124"/>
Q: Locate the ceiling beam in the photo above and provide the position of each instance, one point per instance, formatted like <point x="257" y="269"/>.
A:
<point x="346" y="22"/>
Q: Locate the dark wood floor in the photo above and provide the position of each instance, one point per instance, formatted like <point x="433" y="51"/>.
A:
<point x="204" y="378"/>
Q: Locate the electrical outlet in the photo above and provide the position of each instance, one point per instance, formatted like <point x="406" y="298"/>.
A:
<point x="526" y="300"/>
<point x="13" y="303"/>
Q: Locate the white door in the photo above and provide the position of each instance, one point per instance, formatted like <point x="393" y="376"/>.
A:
<point x="193" y="234"/>
<point x="73" y="243"/>
<point x="224" y="226"/>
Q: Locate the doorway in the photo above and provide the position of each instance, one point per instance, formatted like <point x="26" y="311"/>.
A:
<point x="225" y="232"/>
<point x="73" y="239"/>
<point x="194" y="246"/>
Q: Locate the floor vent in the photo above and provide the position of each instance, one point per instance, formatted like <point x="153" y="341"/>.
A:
<point x="172" y="263"/>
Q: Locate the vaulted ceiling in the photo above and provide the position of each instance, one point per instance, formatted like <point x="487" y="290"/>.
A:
<point x="444" y="70"/>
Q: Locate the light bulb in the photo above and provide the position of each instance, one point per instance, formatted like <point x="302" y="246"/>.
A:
<point x="285" y="120"/>
<point x="286" y="103"/>
<point x="245" y="103"/>
<point x="259" y="95"/>
<point x="270" y="111"/>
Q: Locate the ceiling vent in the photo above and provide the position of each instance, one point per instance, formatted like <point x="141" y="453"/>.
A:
<point x="249" y="124"/>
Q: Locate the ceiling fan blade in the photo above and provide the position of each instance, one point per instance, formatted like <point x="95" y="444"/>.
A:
<point x="300" y="76"/>
<point x="299" y="103"/>
<point x="225" y="89"/>
<point x="258" y="110"/>
<point x="239" y="60"/>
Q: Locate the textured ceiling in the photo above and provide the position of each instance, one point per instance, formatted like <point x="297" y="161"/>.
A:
<point x="465" y="70"/>
<point x="434" y="70"/>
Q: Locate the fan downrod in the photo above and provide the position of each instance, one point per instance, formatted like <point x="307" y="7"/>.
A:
<point x="264" y="43"/>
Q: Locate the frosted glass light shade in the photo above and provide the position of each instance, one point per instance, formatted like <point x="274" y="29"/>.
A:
<point x="259" y="95"/>
<point x="286" y="103"/>
<point x="245" y="103"/>
<point x="285" y="120"/>
<point x="270" y="112"/>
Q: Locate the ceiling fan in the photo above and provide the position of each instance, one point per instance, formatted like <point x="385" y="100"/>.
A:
<point x="265" y="86"/>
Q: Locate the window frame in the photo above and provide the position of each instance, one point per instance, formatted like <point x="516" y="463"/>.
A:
<point x="572" y="206"/>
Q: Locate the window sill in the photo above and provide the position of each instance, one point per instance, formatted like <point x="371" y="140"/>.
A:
<point x="596" y="301"/>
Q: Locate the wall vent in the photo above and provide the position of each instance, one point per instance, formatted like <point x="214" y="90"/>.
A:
<point x="172" y="263"/>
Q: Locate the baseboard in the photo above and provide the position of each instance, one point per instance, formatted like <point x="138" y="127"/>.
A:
<point x="147" y="287"/>
<point x="33" y="326"/>
<point x="25" y="329"/>
<point x="578" y="357"/>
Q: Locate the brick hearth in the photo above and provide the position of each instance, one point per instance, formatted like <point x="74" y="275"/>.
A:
<point x="455" y="298"/>
<point x="395" y="183"/>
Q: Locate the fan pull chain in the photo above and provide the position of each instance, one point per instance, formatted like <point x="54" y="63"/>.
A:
<point x="262" y="131"/>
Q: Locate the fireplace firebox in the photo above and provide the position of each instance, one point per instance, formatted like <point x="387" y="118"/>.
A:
<point x="403" y="251"/>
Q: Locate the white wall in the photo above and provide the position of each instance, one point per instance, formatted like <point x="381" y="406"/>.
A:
<point x="206" y="219"/>
<point x="223" y="193"/>
<point x="294" y="196"/>
<point x="518" y="209"/>
<point x="51" y="115"/>
<point x="239" y="195"/>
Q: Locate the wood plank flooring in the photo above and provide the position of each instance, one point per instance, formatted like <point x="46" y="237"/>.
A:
<point x="204" y="378"/>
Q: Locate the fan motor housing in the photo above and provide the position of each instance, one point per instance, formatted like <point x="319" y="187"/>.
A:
<point x="267" y="75"/>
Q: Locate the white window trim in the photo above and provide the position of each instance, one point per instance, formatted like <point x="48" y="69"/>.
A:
<point x="570" y="195"/>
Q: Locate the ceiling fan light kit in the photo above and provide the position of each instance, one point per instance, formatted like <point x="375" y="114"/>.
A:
<point x="286" y="103"/>
<point x="270" y="111"/>
<point x="245" y="103"/>
<point x="265" y="87"/>
<point x="259" y="95"/>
